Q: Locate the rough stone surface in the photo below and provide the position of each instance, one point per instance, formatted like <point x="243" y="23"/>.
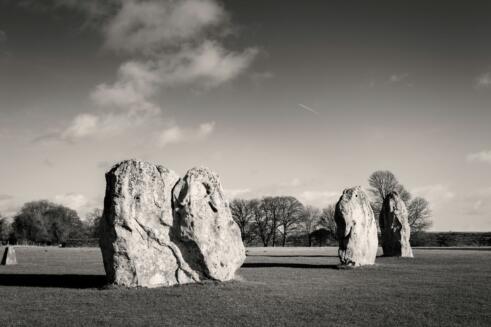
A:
<point x="9" y="257"/>
<point x="356" y="228"/>
<point x="395" y="228"/>
<point x="141" y="239"/>
<point x="206" y="224"/>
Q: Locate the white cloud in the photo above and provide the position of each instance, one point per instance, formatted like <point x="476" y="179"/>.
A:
<point x="152" y="25"/>
<point x="71" y="200"/>
<point x="294" y="182"/>
<point x="135" y="83"/>
<point x="4" y="197"/>
<point x="171" y="44"/>
<point x="77" y="202"/>
<point x="319" y="198"/>
<point x="478" y="203"/>
<point x="81" y="126"/>
<point x="483" y="81"/>
<point x="176" y="134"/>
<point x="482" y="156"/>
<point x="476" y="208"/>
<point x="206" y="129"/>
<point x="397" y="78"/>
<point x="208" y="64"/>
<point x="236" y="193"/>
<point x="304" y="107"/>
<point x="94" y="9"/>
<point x="9" y="208"/>
<point x="9" y="205"/>
<point x="171" y="135"/>
<point x="259" y="77"/>
<point x="436" y="194"/>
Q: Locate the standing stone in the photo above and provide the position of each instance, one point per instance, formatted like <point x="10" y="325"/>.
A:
<point x="356" y="228"/>
<point x="138" y="244"/>
<point x="145" y="243"/>
<point x="395" y="228"/>
<point x="9" y="257"/>
<point x="206" y="225"/>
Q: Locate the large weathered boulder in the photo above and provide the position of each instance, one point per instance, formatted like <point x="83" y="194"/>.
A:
<point x="141" y="240"/>
<point x="356" y="228"/>
<point x="137" y="225"/>
<point x="394" y="226"/>
<point x="206" y="225"/>
<point x="9" y="258"/>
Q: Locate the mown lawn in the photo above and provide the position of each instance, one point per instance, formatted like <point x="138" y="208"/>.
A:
<point x="279" y="287"/>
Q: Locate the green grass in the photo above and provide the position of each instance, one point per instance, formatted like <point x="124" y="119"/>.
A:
<point x="279" y="287"/>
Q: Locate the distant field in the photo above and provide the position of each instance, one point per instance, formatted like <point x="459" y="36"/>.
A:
<point x="277" y="287"/>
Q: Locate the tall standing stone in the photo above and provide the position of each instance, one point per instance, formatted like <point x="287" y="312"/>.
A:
<point x="356" y="228"/>
<point x="394" y="226"/>
<point x="206" y="225"/>
<point x="146" y="243"/>
<point x="9" y="258"/>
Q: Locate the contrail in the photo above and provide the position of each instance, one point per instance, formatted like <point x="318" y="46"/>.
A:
<point x="308" y="109"/>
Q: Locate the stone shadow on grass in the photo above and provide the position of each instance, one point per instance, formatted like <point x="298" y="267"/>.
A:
<point x="287" y="265"/>
<point x="62" y="281"/>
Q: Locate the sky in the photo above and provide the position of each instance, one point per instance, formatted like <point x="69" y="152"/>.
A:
<point x="279" y="98"/>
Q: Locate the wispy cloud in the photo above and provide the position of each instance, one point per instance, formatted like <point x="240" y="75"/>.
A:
<point x="482" y="156"/>
<point x="259" y="77"/>
<point x="171" y="44"/>
<point x="294" y="182"/>
<point x="176" y="134"/>
<point x="4" y="197"/>
<point x="152" y="25"/>
<point x="319" y="198"/>
<point x="304" y="107"/>
<point x="206" y="129"/>
<point x="483" y="81"/>
<point x="397" y="78"/>
<point x="171" y="135"/>
<point x="77" y="202"/>
<point x="478" y="202"/>
<point x="4" y="53"/>
<point x="48" y="163"/>
<point x="83" y="125"/>
<point x="436" y="194"/>
<point x="3" y="36"/>
<point x="236" y="193"/>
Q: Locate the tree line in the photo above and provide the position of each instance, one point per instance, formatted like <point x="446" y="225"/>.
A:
<point x="44" y="222"/>
<point x="270" y="220"/>
<point x="267" y="221"/>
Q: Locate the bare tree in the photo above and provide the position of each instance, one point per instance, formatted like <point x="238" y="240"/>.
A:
<point x="242" y="213"/>
<point x="419" y="214"/>
<point x="290" y="214"/>
<point x="263" y="223"/>
<point x="327" y="219"/>
<point x="93" y="223"/>
<point x="310" y="219"/>
<point x="271" y="208"/>
<point x="382" y="182"/>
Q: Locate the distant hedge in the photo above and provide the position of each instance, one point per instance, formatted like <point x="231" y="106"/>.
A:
<point x="443" y="239"/>
<point x="77" y="243"/>
<point x="451" y="239"/>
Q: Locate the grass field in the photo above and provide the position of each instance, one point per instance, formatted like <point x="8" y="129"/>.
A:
<point x="276" y="287"/>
